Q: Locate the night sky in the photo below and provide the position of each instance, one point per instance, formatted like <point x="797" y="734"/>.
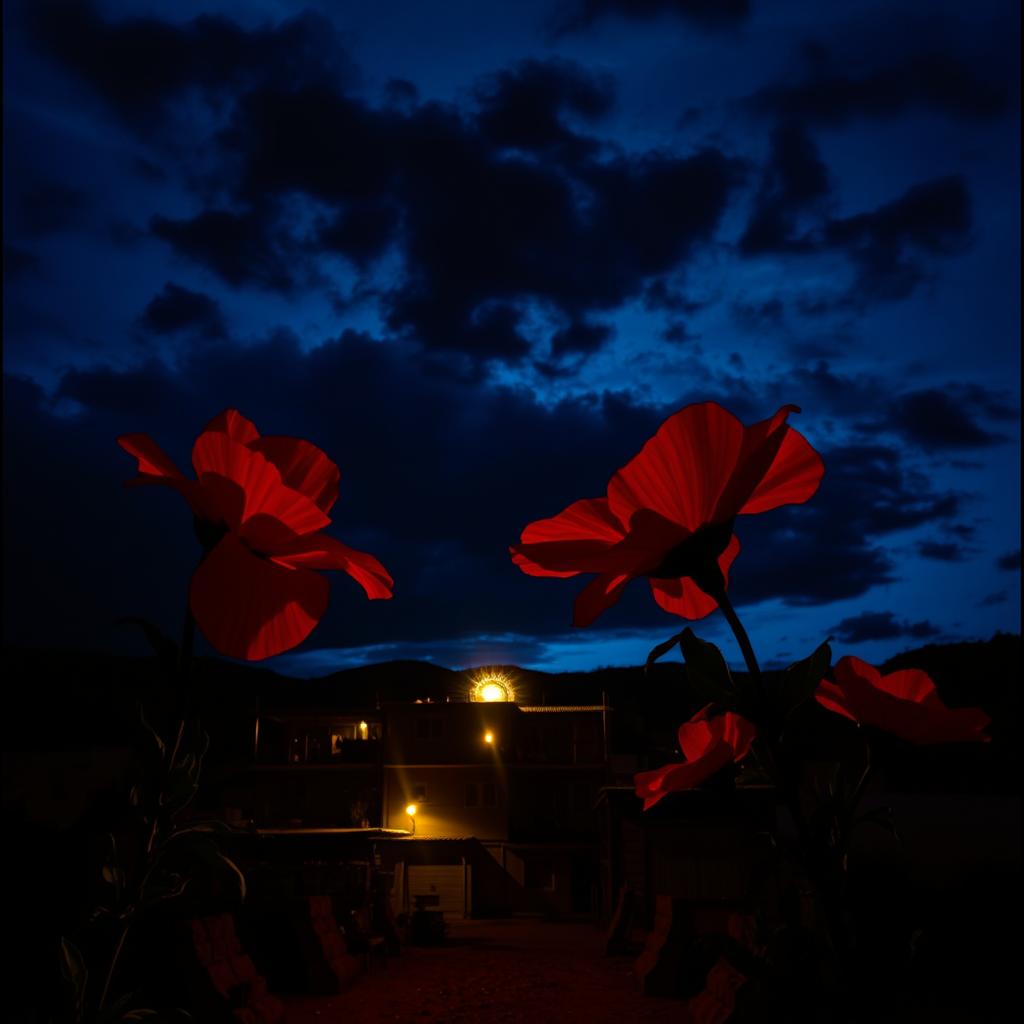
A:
<point x="477" y="252"/>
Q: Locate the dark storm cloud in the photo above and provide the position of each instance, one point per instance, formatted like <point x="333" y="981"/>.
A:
<point x="794" y="177"/>
<point x="580" y="336"/>
<point x="177" y="308"/>
<point x="1010" y="561"/>
<point x="991" y="600"/>
<point x="139" y="65"/>
<point x="241" y="248"/>
<point x="831" y="95"/>
<point x="47" y="208"/>
<point x="940" y="551"/>
<point x="524" y="108"/>
<point x="881" y="626"/>
<point x="575" y="15"/>
<point x="932" y="218"/>
<point x="481" y="230"/>
<point x="832" y="548"/>
<point x="935" y="421"/>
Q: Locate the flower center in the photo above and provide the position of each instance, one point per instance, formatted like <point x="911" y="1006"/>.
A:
<point x="697" y="554"/>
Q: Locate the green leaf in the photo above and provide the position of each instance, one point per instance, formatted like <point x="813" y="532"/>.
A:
<point x="799" y="681"/>
<point x="661" y="650"/>
<point x="707" y="674"/>
<point x="74" y="973"/>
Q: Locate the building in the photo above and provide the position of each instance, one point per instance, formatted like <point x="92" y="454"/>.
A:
<point x="486" y="805"/>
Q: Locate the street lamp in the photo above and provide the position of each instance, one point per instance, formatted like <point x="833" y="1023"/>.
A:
<point x="411" y="811"/>
<point x="489" y="737"/>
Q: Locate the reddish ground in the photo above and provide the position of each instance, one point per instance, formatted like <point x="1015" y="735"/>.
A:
<point x="498" y="972"/>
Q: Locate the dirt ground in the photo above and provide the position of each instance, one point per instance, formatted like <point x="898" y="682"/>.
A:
<point x="498" y="972"/>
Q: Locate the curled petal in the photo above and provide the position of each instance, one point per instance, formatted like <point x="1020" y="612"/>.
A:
<point x="303" y="468"/>
<point x="597" y="596"/>
<point x="215" y="455"/>
<point x="793" y="477"/>
<point x="249" y="607"/>
<point x="566" y="544"/>
<point x="682" y="471"/>
<point x="684" y="598"/>
<point x="318" y="551"/>
<point x="155" y="467"/>
<point x="652" y="786"/>
<point x="235" y="425"/>
<point x="904" y="703"/>
<point x="152" y="459"/>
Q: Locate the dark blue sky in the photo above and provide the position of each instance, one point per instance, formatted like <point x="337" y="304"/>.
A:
<point x="477" y="252"/>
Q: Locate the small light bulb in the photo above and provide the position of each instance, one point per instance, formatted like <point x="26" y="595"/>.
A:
<point x="488" y="736"/>
<point x="411" y="810"/>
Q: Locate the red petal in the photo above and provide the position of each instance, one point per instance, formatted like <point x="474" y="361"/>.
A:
<point x="235" y="425"/>
<point x="597" y="596"/>
<point x="248" y="607"/>
<point x="230" y="470"/>
<point x="684" y="598"/>
<point x="909" y="684"/>
<point x="738" y="733"/>
<point x="155" y="467"/>
<point x="652" y="786"/>
<point x="318" y="551"/>
<point x="830" y="696"/>
<point x="682" y="471"/>
<point x="152" y="459"/>
<point x="793" y="478"/>
<point x="570" y="542"/>
<point x="303" y="468"/>
<point x="695" y="737"/>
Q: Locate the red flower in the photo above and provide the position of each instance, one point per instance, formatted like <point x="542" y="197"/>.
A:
<point x="669" y="511"/>
<point x="904" y="703"/>
<point x="259" y="504"/>
<point x="708" y="745"/>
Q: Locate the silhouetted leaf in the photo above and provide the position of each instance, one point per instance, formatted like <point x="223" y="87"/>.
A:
<point x="163" y="646"/>
<point x="661" y="650"/>
<point x="204" y="850"/>
<point x="800" y="680"/>
<point x="181" y="785"/>
<point x="157" y="738"/>
<point x="883" y="818"/>
<point x="74" y="973"/>
<point x="707" y="673"/>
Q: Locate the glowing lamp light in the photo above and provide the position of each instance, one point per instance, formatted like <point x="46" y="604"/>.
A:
<point x="411" y="810"/>
<point x="364" y="730"/>
<point x="492" y="688"/>
<point x="488" y="736"/>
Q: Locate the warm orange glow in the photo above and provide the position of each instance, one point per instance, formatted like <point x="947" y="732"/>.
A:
<point x="488" y="736"/>
<point x="492" y="687"/>
<point x="364" y="731"/>
<point x="411" y="810"/>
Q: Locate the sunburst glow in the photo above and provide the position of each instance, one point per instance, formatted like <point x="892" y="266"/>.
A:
<point x="491" y="687"/>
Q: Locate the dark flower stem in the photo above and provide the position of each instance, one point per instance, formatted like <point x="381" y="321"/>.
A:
<point x="184" y="672"/>
<point x="740" y="633"/>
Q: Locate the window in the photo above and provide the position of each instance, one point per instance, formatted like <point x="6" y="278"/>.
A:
<point x="472" y="795"/>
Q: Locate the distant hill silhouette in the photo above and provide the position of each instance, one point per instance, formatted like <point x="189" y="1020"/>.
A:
<point x="60" y="700"/>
